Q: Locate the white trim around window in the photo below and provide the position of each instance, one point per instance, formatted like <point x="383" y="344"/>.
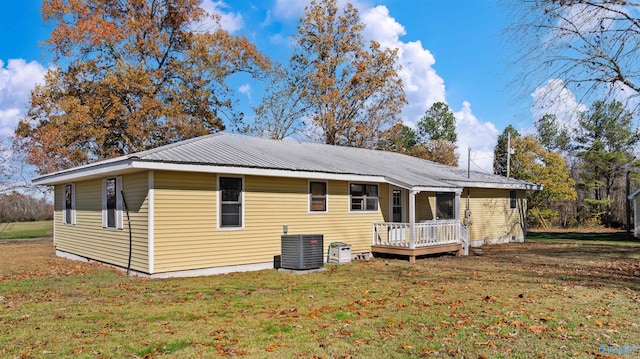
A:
<point x="232" y="201"/>
<point x="69" y="204"/>
<point x="513" y="199"/>
<point x="313" y="185"/>
<point x="112" y="203"/>
<point x="364" y="197"/>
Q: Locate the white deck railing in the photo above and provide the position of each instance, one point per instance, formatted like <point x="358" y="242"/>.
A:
<point x="428" y="233"/>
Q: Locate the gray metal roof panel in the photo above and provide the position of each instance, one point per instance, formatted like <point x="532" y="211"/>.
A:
<point x="222" y="149"/>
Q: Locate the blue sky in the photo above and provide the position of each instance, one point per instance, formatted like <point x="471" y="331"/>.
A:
<point x="451" y="51"/>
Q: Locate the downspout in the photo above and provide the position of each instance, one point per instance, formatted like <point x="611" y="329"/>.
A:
<point x="126" y="208"/>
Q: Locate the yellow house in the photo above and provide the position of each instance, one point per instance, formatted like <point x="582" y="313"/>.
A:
<point x="220" y="203"/>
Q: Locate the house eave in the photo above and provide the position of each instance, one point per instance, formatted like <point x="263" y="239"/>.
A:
<point x="130" y="165"/>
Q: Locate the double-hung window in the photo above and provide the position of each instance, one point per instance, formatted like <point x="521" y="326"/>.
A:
<point x="318" y="196"/>
<point x="230" y="202"/>
<point x="445" y="205"/>
<point x="364" y="197"/>
<point x="112" y="203"/>
<point x="513" y="199"/>
<point x="69" y="204"/>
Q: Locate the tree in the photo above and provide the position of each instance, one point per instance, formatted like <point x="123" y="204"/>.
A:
<point x="353" y="93"/>
<point x="552" y="136"/>
<point x="532" y="162"/>
<point x="128" y="76"/>
<point x="438" y="123"/>
<point x="605" y="140"/>
<point x="437" y="135"/>
<point x="282" y="109"/>
<point x="590" y="44"/>
<point x="500" y="150"/>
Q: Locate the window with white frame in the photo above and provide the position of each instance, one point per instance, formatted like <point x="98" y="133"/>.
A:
<point x="364" y="197"/>
<point x="445" y="203"/>
<point x="69" y="204"/>
<point x="317" y="196"/>
<point x="513" y="199"/>
<point x="112" y="203"/>
<point x="230" y="202"/>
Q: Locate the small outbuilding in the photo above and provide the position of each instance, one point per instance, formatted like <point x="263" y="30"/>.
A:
<point x="220" y="203"/>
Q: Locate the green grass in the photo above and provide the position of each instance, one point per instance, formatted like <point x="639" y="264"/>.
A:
<point x="520" y="300"/>
<point x="26" y="229"/>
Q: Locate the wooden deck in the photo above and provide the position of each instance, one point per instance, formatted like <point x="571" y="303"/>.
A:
<point x="414" y="252"/>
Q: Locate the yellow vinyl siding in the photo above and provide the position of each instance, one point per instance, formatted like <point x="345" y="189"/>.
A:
<point x="186" y="213"/>
<point x="491" y="217"/>
<point x="88" y="239"/>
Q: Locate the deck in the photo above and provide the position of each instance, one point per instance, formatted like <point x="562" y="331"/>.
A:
<point x="417" y="239"/>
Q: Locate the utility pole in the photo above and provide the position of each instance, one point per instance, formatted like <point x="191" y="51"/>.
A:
<point x="469" y="163"/>
<point x="508" y="153"/>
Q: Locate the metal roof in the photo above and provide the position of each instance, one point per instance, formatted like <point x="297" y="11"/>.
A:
<point x="230" y="150"/>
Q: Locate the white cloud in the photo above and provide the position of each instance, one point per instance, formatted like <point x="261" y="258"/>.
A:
<point x="555" y="99"/>
<point x="17" y="80"/>
<point x="481" y="137"/>
<point x="289" y="9"/>
<point x="422" y="85"/>
<point x="245" y="89"/>
<point x="231" y="22"/>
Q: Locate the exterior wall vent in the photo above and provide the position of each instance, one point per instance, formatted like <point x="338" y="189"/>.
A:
<point x="302" y="251"/>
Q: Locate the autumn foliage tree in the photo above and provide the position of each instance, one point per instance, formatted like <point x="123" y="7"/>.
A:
<point x="532" y="162"/>
<point x="353" y="92"/>
<point x="130" y="75"/>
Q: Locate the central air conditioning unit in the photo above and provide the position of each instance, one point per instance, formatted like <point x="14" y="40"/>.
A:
<point x="302" y="251"/>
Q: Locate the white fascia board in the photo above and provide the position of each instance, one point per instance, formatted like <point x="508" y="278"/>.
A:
<point x="532" y="187"/>
<point x="422" y="188"/>
<point x="438" y="189"/>
<point x="204" y="168"/>
<point x="81" y="173"/>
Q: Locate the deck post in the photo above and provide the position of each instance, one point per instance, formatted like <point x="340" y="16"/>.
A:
<point x="456" y="210"/>
<point x="412" y="219"/>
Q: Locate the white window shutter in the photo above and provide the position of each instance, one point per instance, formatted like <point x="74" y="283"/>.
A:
<point x="104" y="203"/>
<point x="119" y="203"/>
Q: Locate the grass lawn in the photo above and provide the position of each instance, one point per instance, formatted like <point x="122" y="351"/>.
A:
<point x="530" y="300"/>
<point x="26" y="229"/>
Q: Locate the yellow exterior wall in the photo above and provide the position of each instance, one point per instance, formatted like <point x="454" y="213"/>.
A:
<point x="88" y="239"/>
<point x="186" y="235"/>
<point x="491" y="217"/>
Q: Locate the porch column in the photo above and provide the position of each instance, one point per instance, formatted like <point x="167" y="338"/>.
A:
<point x="456" y="207"/>
<point x="412" y="219"/>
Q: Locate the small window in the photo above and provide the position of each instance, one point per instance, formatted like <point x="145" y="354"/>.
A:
<point x="112" y="203"/>
<point x="317" y="196"/>
<point x="445" y="205"/>
<point x="364" y="197"/>
<point x="513" y="199"/>
<point x="69" y="204"/>
<point x="230" y="202"/>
